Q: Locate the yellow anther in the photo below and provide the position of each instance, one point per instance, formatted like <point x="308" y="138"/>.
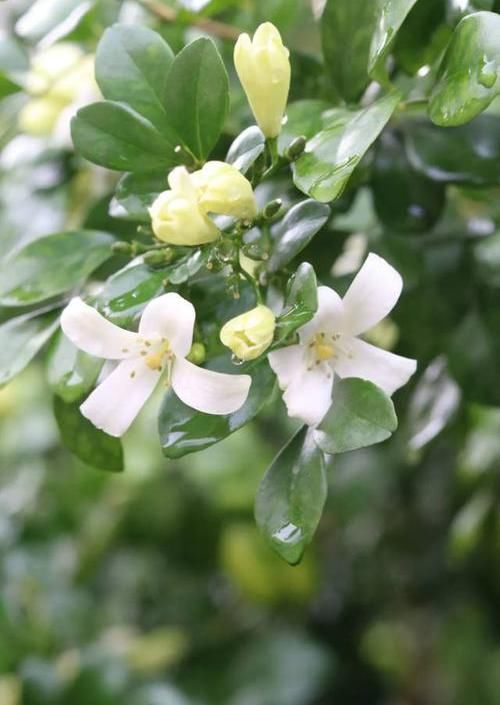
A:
<point x="155" y="359"/>
<point x="322" y="350"/>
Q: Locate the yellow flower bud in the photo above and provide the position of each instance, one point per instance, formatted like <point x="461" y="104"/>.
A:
<point x="39" y="116"/>
<point x="222" y="189"/>
<point x="263" y="67"/>
<point x="175" y="214"/>
<point x="250" y="334"/>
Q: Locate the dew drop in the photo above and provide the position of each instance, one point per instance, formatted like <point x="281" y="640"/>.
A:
<point x="488" y="74"/>
<point x="289" y="534"/>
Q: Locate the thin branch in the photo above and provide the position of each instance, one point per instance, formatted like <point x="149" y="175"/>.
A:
<point x="168" y="14"/>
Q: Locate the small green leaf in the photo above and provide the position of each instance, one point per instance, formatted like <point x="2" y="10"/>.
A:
<point x="296" y="231"/>
<point x="135" y="193"/>
<point x="115" y="136"/>
<point x="131" y="66"/>
<point x="361" y="415"/>
<point x="184" y="430"/>
<point x="469" y="76"/>
<point x="323" y="171"/>
<point x="389" y="16"/>
<point x="291" y="497"/>
<point x="20" y="340"/>
<point x="301" y="303"/>
<point x="197" y="96"/>
<point x="89" y="444"/>
<point x="52" y="265"/>
<point x="246" y="149"/>
<point x="71" y="372"/>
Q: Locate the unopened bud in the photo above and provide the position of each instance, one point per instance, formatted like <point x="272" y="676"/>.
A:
<point x="197" y="354"/>
<point x="122" y="248"/>
<point x="272" y="209"/>
<point x="296" y="148"/>
<point x="250" y="334"/>
<point x="156" y="257"/>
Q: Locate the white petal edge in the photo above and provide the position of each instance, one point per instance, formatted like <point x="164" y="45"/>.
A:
<point x="329" y="318"/>
<point x="385" y="369"/>
<point x="95" y="335"/>
<point x="372" y="295"/>
<point x="309" y="396"/>
<point x="172" y="317"/>
<point x="288" y="364"/>
<point x="115" y="403"/>
<point x="208" y="391"/>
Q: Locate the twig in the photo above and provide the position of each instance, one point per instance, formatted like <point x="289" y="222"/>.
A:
<point x="168" y="14"/>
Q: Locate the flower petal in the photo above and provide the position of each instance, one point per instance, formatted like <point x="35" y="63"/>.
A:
<point x="208" y="391"/>
<point x="372" y="295"/>
<point x="385" y="369"/>
<point x="328" y="318"/>
<point x="95" y="335"/>
<point x="115" y="403"/>
<point x="172" y="317"/>
<point x="288" y="363"/>
<point x="309" y="396"/>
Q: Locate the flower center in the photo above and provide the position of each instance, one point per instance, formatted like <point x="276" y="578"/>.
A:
<point x="154" y="358"/>
<point x="322" y="347"/>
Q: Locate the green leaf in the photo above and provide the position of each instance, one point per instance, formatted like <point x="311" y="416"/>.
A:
<point x="246" y="149"/>
<point x="390" y="15"/>
<point x="71" y="372"/>
<point x="131" y="66"/>
<point x="469" y="154"/>
<point x="291" y="497"/>
<point x="20" y="340"/>
<point x="332" y="155"/>
<point x="52" y="18"/>
<point x="296" y="231"/>
<point x="115" y="136"/>
<point x="187" y="267"/>
<point x="404" y="199"/>
<point x="304" y="118"/>
<point x="197" y="96"/>
<point x="89" y="444"/>
<point x="469" y="76"/>
<point x="184" y="430"/>
<point x="423" y="36"/>
<point x="52" y="265"/>
<point x="301" y="303"/>
<point x="361" y="415"/>
<point x="14" y="63"/>
<point x="135" y="193"/>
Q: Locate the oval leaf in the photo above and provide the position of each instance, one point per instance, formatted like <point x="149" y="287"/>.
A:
<point x="296" y="231"/>
<point x="246" y="148"/>
<point x="71" y="372"/>
<point x="301" y="303"/>
<point x="134" y="195"/>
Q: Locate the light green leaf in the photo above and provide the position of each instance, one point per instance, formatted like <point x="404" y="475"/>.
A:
<point x="301" y="303"/>
<point x="197" y="96"/>
<point x="135" y="193"/>
<point x="291" y="497"/>
<point x="361" y="415"/>
<point x="71" y="372"/>
<point x="89" y="444"/>
<point x="20" y="340"/>
<point x="52" y="265"/>
<point x="332" y="155"/>
<point x="469" y="76"/>
<point x="246" y="149"/>
<point x="296" y="231"/>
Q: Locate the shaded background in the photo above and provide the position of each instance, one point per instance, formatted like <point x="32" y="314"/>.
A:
<point x="154" y="587"/>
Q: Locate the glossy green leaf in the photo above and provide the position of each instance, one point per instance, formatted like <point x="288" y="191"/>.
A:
<point x="71" y="372"/>
<point x="301" y="303"/>
<point x="390" y="15"/>
<point x="304" y="118"/>
<point x="54" y="18"/>
<point x="469" y="154"/>
<point x="246" y="149"/>
<point x="52" y="265"/>
<point x="131" y="65"/>
<point x="291" y="497"/>
<point x="135" y="193"/>
<point x="332" y="155"/>
<point x="404" y="199"/>
<point x="20" y="340"/>
<point x="423" y="36"/>
<point x="361" y="415"/>
<point x="296" y="231"/>
<point x="197" y="96"/>
<point x="469" y="76"/>
<point x="184" y="430"/>
<point x="115" y="136"/>
<point x="187" y="267"/>
<point x="89" y="444"/>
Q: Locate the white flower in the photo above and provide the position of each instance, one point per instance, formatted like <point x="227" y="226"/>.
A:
<point x="329" y="344"/>
<point x="159" y="349"/>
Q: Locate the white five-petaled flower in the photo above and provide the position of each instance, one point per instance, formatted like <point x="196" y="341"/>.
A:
<point x="158" y="349"/>
<point x="329" y="344"/>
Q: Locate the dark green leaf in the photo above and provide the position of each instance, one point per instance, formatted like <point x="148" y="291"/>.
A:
<point x="246" y="148"/>
<point x="89" y="444"/>
<point x="469" y="76"/>
<point x="20" y="340"/>
<point x="390" y="15"/>
<point x="333" y="154"/>
<point x="295" y="231"/>
<point x="361" y="415"/>
<point x="131" y="65"/>
<point x="52" y="265"/>
<point x="115" y="136"/>
<point x="184" y="430"/>
<point x="135" y="193"/>
<point x="423" y="36"/>
<point x="291" y="497"/>
<point x="487" y="260"/>
<point x="197" y="96"/>
<point x="301" y="303"/>
<point x="71" y="372"/>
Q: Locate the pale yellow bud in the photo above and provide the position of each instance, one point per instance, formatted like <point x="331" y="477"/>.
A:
<point x="53" y="72"/>
<point x="39" y="116"/>
<point x="175" y="214"/>
<point x="222" y="189"/>
<point x="263" y="67"/>
<point x="250" y="334"/>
